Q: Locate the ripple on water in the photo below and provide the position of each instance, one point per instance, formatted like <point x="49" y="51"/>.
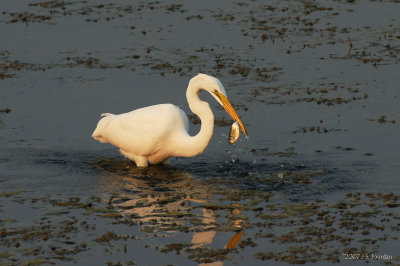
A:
<point x="298" y="180"/>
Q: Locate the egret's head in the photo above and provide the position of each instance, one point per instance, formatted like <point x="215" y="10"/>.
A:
<point x="217" y="90"/>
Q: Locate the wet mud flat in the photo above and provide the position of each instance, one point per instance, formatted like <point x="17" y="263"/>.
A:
<point x="315" y="82"/>
<point x="181" y="220"/>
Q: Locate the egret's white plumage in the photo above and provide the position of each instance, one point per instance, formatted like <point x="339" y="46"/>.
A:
<point x="153" y="134"/>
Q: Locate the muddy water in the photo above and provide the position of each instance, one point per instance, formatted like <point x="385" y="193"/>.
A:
<point x="315" y="82"/>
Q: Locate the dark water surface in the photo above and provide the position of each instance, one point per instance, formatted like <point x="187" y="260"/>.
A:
<point x="316" y="84"/>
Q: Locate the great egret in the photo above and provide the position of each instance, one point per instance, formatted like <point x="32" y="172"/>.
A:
<point x="153" y="134"/>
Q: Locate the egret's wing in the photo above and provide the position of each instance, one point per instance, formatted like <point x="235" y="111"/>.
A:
<point x="141" y="131"/>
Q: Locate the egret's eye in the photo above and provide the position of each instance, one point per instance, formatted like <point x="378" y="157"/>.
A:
<point x="217" y="93"/>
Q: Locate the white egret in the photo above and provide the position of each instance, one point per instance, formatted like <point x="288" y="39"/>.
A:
<point x="153" y="134"/>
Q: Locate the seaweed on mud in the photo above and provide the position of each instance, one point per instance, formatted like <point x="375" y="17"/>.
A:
<point x="209" y="255"/>
<point x="44" y="11"/>
<point x="318" y="95"/>
<point x="316" y="129"/>
<point x="10" y="193"/>
<point x="383" y="120"/>
<point x="105" y="238"/>
<point x="175" y="247"/>
<point x="5" y="111"/>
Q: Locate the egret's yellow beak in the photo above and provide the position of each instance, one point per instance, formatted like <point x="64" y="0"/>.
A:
<point x="229" y="109"/>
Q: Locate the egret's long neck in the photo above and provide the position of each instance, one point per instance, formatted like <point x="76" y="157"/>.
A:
<point x="192" y="146"/>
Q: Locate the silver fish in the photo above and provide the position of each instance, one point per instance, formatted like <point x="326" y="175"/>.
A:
<point x="234" y="133"/>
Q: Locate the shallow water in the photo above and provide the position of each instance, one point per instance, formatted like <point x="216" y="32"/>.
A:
<point x="315" y="84"/>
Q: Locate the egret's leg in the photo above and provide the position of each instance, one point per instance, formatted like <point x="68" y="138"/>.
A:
<point x="141" y="161"/>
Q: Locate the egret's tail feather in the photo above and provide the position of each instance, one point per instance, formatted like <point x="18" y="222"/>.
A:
<point x="100" y="138"/>
<point x="106" y="114"/>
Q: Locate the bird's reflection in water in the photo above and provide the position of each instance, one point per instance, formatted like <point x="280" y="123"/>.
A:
<point x="162" y="195"/>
